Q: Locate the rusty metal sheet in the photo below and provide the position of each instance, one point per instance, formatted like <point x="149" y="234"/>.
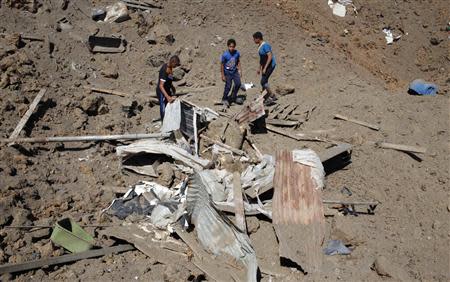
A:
<point x="252" y="111"/>
<point x="297" y="212"/>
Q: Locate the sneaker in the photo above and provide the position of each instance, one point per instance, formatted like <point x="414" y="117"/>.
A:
<point x="225" y="103"/>
<point x="239" y="101"/>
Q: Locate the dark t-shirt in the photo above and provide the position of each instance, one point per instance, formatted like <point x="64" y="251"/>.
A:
<point x="166" y="78"/>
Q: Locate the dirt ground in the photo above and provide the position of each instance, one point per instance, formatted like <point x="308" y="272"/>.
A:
<point x="338" y="65"/>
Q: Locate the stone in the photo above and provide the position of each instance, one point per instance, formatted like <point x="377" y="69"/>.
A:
<point x="81" y="118"/>
<point x="166" y="174"/>
<point x="434" y="41"/>
<point x="252" y="224"/>
<point x="385" y="268"/>
<point x="284" y="89"/>
<point x="21" y="217"/>
<point x="91" y="104"/>
<point x="178" y="74"/>
<point x="46" y="249"/>
<point x="110" y="71"/>
<point x="163" y="34"/>
<point x="158" y="59"/>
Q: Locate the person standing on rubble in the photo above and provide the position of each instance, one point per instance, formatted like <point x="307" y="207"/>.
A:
<point x="230" y="69"/>
<point x="164" y="87"/>
<point x="267" y="65"/>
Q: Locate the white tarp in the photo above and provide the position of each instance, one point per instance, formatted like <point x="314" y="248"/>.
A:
<point x="172" y="117"/>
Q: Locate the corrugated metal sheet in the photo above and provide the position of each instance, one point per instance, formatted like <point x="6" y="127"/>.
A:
<point x="298" y="212"/>
<point x="215" y="232"/>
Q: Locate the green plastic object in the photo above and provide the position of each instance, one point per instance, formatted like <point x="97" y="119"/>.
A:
<point x="71" y="236"/>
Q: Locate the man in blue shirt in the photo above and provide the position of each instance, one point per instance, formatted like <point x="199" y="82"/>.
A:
<point x="230" y="68"/>
<point x="267" y="65"/>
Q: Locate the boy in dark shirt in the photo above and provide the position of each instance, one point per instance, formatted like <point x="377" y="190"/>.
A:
<point x="164" y="87"/>
<point x="230" y="68"/>
<point x="267" y="65"/>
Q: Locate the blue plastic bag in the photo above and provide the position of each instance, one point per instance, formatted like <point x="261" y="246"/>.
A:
<point x="421" y="87"/>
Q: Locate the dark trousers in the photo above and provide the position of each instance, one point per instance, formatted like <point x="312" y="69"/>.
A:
<point x="162" y="103"/>
<point x="265" y="77"/>
<point x="230" y="78"/>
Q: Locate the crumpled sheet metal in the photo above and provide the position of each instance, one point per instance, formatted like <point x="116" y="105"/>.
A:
<point x="216" y="233"/>
<point x="257" y="179"/>
<point x="165" y="148"/>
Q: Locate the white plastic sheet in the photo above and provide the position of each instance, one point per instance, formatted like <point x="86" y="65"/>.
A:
<point x="172" y="117"/>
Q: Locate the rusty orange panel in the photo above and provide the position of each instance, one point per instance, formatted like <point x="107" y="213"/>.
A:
<point x="298" y="213"/>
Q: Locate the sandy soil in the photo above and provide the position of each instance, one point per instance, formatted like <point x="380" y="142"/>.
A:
<point x="352" y="73"/>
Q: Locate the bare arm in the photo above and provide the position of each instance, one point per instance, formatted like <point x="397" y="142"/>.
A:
<point x="239" y="68"/>
<point x="269" y="60"/>
<point x="166" y="95"/>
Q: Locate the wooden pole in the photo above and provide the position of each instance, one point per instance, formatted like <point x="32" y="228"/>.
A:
<point x="363" y="123"/>
<point x="295" y="137"/>
<point x="404" y="148"/>
<point x="19" y="267"/>
<point x="28" y="114"/>
<point x="87" y="138"/>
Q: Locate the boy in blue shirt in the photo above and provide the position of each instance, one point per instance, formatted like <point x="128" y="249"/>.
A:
<point x="267" y="65"/>
<point x="230" y="68"/>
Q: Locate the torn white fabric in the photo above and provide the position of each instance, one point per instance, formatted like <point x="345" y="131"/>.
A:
<point x="309" y="158"/>
<point x="172" y="117"/>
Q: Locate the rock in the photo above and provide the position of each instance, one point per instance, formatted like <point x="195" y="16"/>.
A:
<point x="284" y="89"/>
<point x="91" y="104"/>
<point x="103" y="109"/>
<point x="110" y="71"/>
<point x="434" y="41"/>
<point x="163" y="34"/>
<point x="45" y="250"/>
<point x="131" y="107"/>
<point x="157" y="59"/>
<point x="80" y="120"/>
<point x="21" y="217"/>
<point x="178" y="74"/>
<point x="166" y="174"/>
<point x="6" y="208"/>
<point x="252" y="224"/>
<point x="151" y="38"/>
<point x="383" y="267"/>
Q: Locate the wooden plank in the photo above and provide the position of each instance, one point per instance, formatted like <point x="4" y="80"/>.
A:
<point x="238" y="202"/>
<point x="298" y="215"/>
<point x="295" y="137"/>
<point x="19" y="267"/>
<point x="403" y="148"/>
<point x="280" y="122"/>
<point x="362" y="123"/>
<point x="106" y="91"/>
<point x="233" y="150"/>
<point x="28" y="114"/>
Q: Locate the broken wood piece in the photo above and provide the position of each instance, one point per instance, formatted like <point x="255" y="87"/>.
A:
<point x="298" y="215"/>
<point x="135" y="136"/>
<point x="403" y="148"/>
<point x="20" y="267"/>
<point x="252" y="111"/>
<point x="334" y="202"/>
<point x="106" y="91"/>
<point x="280" y="111"/>
<point x="222" y="135"/>
<point x="252" y="144"/>
<point x="289" y="112"/>
<point x="238" y="203"/>
<point x="363" y="123"/>
<point x="295" y="137"/>
<point x="280" y="122"/>
<point x="233" y="150"/>
<point x="143" y="5"/>
<point x="27" y="114"/>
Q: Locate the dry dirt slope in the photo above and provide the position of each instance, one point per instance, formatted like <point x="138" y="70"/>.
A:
<point x="410" y="227"/>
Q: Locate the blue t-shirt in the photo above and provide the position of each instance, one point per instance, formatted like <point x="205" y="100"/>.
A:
<point x="230" y="61"/>
<point x="263" y="50"/>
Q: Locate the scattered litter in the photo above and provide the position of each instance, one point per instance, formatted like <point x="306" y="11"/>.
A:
<point x="390" y="38"/>
<point x="71" y="236"/>
<point x="346" y="191"/>
<point x="116" y="13"/>
<point x="247" y="86"/>
<point x="421" y="87"/>
<point x="339" y="7"/>
<point x="336" y="247"/>
<point x="98" y="44"/>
